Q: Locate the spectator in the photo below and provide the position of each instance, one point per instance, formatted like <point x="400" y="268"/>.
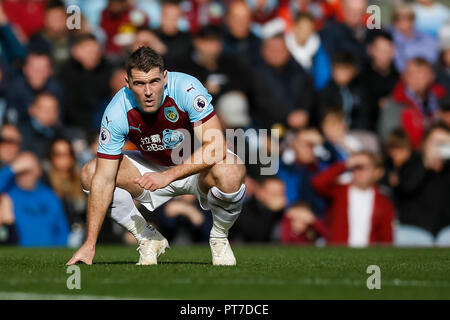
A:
<point x="12" y="49"/>
<point x="321" y="10"/>
<point x="116" y="82"/>
<point x="54" y="37"/>
<point x="300" y="226"/>
<point x="262" y="212"/>
<point x="430" y="16"/>
<point x="379" y="75"/>
<point x="239" y="40"/>
<point x="146" y="37"/>
<point x="290" y="86"/>
<point x="10" y="142"/>
<point x="398" y="151"/>
<point x="233" y="110"/>
<point x="64" y="178"/>
<point x="414" y="102"/>
<point x="348" y="35"/>
<point x="26" y="16"/>
<point x="183" y="221"/>
<point x="219" y="73"/>
<point x="298" y="172"/>
<point x="203" y="12"/>
<point x="37" y="77"/>
<point x="345" y="91"/>
<point x="118" y="20"/>
<point x="338" y="144"/>
<point x="444" y="112"/>
<point x="178" y="43"/>
<point x="421" y="191"/>
<point x="358" y="214"/>
<point x="409" y="42"/>
<point x="37" y="213"/>
<point x="85" y="81"/>
<point x="307" y="49"/>
<point x="442" y="68"/>
<point x="43" y="125"/>
<point x="263" y="10"/>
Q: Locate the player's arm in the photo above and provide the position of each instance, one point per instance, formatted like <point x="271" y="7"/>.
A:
<point x="212" y="150"/>
<point x="102" y="188"/>
<point x="100" y="197"/>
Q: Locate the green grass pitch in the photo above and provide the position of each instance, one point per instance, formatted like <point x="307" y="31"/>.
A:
<point x="263" y="272"/>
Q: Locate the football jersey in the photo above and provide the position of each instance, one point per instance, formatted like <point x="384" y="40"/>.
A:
<point x="186" y="103"/>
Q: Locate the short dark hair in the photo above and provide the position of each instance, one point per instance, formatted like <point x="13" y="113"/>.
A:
<point x="304" y="16"/>
<point x="82" y="38"/>
<point x="344" y="58"/>
<point x="171" y="2"/>
<point x="375" y="158"/>
<point x="209" y="32"/>
<point x="55" y="4"/>
<point x="420" y="61"/>
<point x="436" y="126"/>
<point x="398" y="138"/>
<point x="144" y="59"/>
<point x="336" y="111"/>
<point x="378" y="33"/>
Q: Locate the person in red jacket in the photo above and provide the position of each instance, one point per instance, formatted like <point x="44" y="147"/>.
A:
<point x="358" y="214"/>
<point x="413" y="104"/>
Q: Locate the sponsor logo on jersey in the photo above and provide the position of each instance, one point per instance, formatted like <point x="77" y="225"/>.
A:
<point x="190" y="88"/>
<point x="138" y="129"/>
<point x="105" y="136"/>
<point x="171" y="113"/>
<point x="200" y="103"/>
<point x="152" y="143"/>
<point x="171" y="138"/>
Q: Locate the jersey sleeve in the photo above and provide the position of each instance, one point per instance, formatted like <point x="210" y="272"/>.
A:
<point x="195" y="100"/>
<point x="114" y="130"/>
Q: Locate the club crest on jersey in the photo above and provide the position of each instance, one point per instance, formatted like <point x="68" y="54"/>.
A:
<point x="171" y="138"/>
<point x="105" y="136"/>
<point x="200" y="103"/>
<point x="171" y="113"/>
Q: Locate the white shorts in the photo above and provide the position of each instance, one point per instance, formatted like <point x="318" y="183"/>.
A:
<point x="187" y="185"/>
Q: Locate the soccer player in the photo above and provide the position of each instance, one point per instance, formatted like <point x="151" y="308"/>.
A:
<point x="160" y="111"/>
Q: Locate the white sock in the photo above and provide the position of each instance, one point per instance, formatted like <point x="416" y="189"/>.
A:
<point x="225" y="208"/>
<point x="125" y="213"/>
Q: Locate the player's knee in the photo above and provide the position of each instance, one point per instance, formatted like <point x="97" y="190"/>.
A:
<point x="229" y="177"/>
<point x="87" y="172"/>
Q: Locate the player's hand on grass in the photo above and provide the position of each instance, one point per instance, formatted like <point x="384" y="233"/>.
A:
<point x="84" y="254"/>
<point x="153" y="180"/>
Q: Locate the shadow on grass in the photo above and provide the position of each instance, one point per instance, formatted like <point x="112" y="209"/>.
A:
<point x="162" y="262"/>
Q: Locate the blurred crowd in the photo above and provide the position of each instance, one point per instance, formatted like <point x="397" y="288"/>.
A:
<point x="363" y="114"/>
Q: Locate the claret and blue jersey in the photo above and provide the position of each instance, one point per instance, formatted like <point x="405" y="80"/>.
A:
<point x="186" y="103"/>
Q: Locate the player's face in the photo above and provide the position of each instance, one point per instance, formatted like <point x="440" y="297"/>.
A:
<point x="148" y="88"/>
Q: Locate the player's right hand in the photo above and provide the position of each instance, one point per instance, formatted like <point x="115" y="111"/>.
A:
<point x="84" y="254"/>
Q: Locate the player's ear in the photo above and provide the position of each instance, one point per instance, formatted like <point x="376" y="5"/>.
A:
<point x="165" y="77"/>
<point x="127" y="82"/>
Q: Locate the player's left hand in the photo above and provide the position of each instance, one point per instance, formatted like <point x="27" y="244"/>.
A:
<point x="153" y="180"/>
